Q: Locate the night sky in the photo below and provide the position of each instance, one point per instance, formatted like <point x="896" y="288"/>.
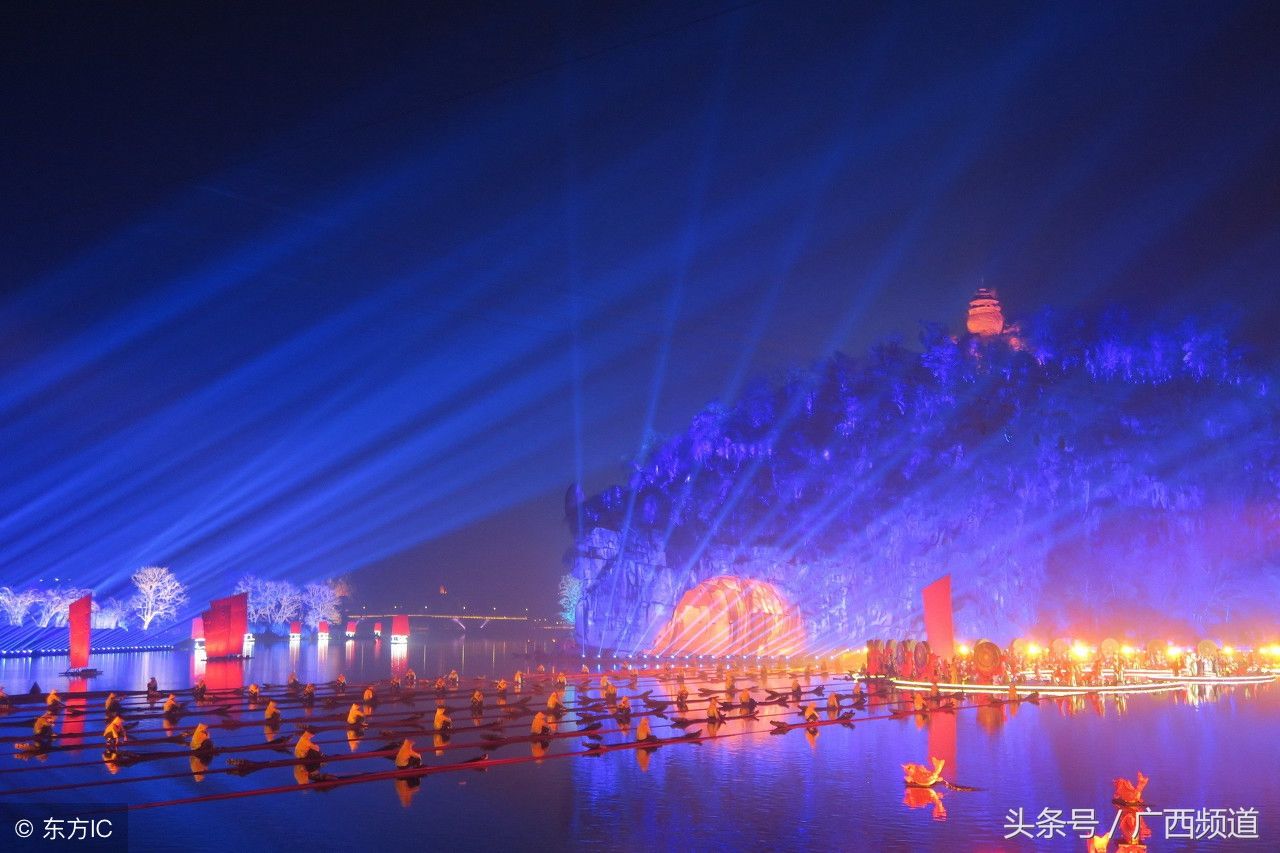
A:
<point x="303" y="294"/>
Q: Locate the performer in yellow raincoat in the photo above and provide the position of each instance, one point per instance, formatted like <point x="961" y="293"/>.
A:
<point x="115" y="732"/>
<point x="406" y="757"/>
<point x="305" y="748"/>
<point x="442" y="721"/>
<point x="919" y="776"/>
<point x="200" y="740"/>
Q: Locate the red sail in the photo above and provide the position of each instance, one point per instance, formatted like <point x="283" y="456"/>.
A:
<point x="225" y="623"/>
<point x="238" y="613"/>
<point x="78" y="621"/>
<point x="215" y="621"/>
<point x="400" y="626"/>
<point x="937" y="618"/>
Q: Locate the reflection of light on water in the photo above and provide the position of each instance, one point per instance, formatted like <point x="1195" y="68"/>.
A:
<point x="349" y="652"/>
<point x="198" y="663"/>
<point x="399" y="659"/>
<point x="322" y="652"/>
<point x="295" y="646"/>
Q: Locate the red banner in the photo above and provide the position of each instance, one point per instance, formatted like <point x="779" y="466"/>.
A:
<point x="323" y="627"/>
<point x="295" y="627"/>
<point x="197" y="628"/>
<point x="351" y="627"/>
<point x="938" y="625"/>
<point x="400" y="626"/>
<point x="78" y="621"/>
<point x="377" y="629"/>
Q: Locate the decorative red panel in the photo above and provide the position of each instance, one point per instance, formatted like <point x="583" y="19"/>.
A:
<point x="78" y="621"/>
<point x="938" y="625"/>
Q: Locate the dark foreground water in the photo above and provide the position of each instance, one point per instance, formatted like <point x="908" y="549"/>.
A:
<point x="748" y="790"/>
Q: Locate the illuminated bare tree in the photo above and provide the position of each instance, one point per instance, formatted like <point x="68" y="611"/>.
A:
<point x="16" y="603"/>
<point x="159" y="595"/>
<point x="51" y="606"/>
<point x="256" y="606"/>
<point x="285" y="601"/>
<point x="570" y="597"/>
<point x="320" y="602"/>
<point x="271" y="602"/>
<point x="111" y="613"/>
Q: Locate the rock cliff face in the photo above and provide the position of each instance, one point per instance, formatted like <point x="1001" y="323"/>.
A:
<point x="1096" y="477"/>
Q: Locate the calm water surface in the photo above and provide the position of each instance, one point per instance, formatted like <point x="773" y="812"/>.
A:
<point x="748" y="790"/>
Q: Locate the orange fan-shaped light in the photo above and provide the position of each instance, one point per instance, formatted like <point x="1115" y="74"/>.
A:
<point x="729" y="615"/>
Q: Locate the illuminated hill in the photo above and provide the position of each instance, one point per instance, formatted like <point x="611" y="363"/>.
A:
<point x="1087" y="475"/>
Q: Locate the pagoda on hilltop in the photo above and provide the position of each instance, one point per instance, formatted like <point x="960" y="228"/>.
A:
<point x="986" y="318"/>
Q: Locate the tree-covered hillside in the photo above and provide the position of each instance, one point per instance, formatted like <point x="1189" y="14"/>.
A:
<point x="1094" y="476"/>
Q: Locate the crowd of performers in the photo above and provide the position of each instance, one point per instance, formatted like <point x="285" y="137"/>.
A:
<point x="361" y="711"/>
<point x="1071" y="665"/>
<point x="922" y="782"/>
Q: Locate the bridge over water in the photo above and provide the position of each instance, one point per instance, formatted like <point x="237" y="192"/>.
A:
<point x="460" y="619"/>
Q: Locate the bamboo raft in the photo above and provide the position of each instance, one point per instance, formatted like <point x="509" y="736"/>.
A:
<point x="501" y="721"/>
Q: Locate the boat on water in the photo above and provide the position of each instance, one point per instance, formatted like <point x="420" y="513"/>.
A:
<point x="1025" y="690"/>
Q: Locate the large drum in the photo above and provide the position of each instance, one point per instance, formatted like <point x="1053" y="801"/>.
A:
<point x="922" y="657"/>
<point x="987" y="658"/>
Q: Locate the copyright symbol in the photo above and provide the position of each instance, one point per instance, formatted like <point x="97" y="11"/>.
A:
<point x="23" y="828"/>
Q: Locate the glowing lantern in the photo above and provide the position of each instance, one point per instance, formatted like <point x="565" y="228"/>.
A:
<point x="963" y="650"/>
<point x="1079" y="651"/>
<point x="1127" y="651"/>
<point x="1033" y="650"/>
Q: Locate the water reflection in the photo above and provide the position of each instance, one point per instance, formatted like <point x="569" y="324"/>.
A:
<point x="743" y="789"/>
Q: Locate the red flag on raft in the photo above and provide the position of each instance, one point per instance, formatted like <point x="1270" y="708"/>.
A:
<point x="78" y="615"/>
<point x="938" y="624"/>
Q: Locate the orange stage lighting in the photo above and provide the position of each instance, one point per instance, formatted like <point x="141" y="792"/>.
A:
<point x="728" y="615"/>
